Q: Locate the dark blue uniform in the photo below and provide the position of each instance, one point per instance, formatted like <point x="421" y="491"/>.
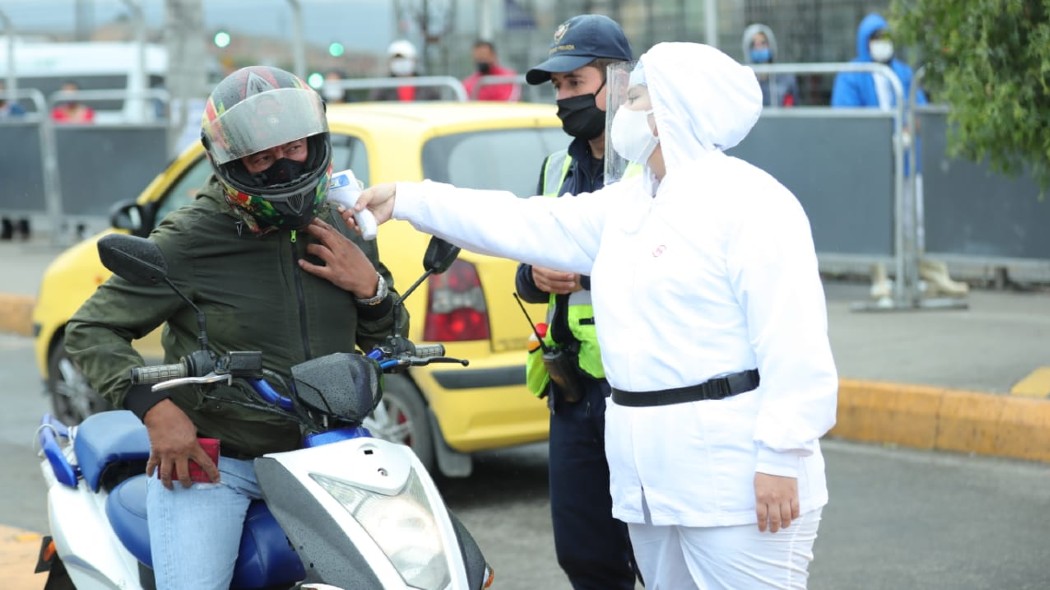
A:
<point x="593" y="548"/>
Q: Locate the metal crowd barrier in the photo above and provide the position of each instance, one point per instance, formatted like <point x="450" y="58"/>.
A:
<point x="863" y="175"/>
<point x="73" y="173"/>
<point x="449" y="83"/>
<point x="28" y="169"/>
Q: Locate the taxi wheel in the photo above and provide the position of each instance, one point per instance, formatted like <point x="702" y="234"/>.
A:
<point x="72" y="399"/>
<point x="402" y="418"/>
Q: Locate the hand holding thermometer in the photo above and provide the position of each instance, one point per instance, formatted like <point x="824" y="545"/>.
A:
<point x="344" y="189"/>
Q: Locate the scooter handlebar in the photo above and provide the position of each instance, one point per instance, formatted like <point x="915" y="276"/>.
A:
<point x="425" y="351"/>
<point x="153" y="374"/>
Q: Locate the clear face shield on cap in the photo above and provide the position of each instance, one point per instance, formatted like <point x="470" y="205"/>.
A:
<point x="629" y="124"/>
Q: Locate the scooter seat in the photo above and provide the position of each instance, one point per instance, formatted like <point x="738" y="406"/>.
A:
<point x="265" y="557"/>
<point x="116" y="437"/>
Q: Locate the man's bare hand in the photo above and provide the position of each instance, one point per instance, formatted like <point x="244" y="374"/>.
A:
<point x="558" y="282"/>
<point x="173" y="442"/>
<point x="776" y="501"/>
<point x="345" y="265"/>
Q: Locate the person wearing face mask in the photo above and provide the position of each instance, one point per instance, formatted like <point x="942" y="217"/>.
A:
<point x="760" y="47"/>
<point x="486" y="63"/>
<point x="255" y="254"/>
<point x="332" y="89"/>
<point x="593" y="548"/>
<point x="403" y="64"/>
<point x="862" y="89"/>
<point x="710" y="313"/>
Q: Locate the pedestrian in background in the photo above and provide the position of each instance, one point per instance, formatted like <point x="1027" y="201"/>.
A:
<point x="869" y="90"/>
<point x="592" y="547"/>
<point x="72" y="110"/>
<point x="760" y="47"/>
<point x="486" y="63"/>
<point x="403" y="64"/>
<point x="710" y="313"/>
<point x="9" y="107"/>
<point x="331" y="90"/>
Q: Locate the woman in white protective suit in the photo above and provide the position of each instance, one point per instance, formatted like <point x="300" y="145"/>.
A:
<point x="710" y="315"/>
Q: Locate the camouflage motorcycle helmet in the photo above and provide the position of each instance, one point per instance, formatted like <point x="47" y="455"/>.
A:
<point x="255" y="109"/>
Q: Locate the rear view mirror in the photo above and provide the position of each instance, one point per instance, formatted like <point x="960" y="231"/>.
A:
<point x="130" y="216"/>
<point x="135" y="259"/>
<point x="439" y="256"/>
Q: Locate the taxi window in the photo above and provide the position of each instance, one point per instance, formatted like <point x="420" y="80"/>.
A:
<point x="503" y="159"/>
<point x="347" y="152"/>
<point x="185" y="188"/>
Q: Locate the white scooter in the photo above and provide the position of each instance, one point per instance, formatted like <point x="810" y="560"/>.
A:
<point x="345" y="511"/>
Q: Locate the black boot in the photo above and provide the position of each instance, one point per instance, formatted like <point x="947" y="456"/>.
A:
<point x="23" y="228"/>
<point x="7" y="230"/>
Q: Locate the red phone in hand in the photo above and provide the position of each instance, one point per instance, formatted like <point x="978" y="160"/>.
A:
<point x="210" y="446"/>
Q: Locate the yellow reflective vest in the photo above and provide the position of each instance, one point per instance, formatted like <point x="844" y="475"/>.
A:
<point x="580" y="313"/>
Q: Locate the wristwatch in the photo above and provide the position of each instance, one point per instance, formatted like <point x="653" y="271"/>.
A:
<point x="381" y="292"/>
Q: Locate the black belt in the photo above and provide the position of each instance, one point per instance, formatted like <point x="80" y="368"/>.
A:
<point x="712" y="389"/>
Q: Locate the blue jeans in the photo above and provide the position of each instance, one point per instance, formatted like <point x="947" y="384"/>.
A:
<point x="593" y="548"/>
<point x="195" y="532"/>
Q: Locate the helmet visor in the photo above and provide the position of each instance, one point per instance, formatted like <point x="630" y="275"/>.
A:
<point x="263" y="121"/>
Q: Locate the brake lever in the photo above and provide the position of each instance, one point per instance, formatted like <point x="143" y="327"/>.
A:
<point x="419" y="362"/>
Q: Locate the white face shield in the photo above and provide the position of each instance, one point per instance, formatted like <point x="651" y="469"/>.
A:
<point x="629" y="124"/>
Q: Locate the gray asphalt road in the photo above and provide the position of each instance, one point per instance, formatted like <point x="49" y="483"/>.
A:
<point x="898" y="518"/>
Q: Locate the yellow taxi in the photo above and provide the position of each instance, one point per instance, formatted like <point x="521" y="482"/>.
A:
<point x="444" y="412"/>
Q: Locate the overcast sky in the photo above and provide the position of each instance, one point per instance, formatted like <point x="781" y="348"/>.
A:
<point x="358" y="24"/>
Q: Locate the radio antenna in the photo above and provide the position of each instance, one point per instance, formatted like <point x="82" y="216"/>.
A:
<point x="531" y="325"/>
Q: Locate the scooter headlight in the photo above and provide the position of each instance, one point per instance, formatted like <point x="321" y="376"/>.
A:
<point x="403" y="525"/>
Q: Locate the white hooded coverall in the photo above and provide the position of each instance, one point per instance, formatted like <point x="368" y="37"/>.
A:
<point x="708" y="271"/>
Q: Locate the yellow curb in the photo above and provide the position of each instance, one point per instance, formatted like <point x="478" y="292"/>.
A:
<point x="1036" y="384"/>
<point x="944" y="419"/>
<point x="18" y="556"/>
<point x="16" y="313"/>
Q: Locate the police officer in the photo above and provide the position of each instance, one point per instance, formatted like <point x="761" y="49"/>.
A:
<point x="592" y="547"/>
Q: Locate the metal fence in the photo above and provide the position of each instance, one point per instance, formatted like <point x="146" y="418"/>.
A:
<point x="846" y="166"/>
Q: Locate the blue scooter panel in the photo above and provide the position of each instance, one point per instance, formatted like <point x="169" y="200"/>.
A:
<point x="265" y="557"/>
<point x="109" y="438"/>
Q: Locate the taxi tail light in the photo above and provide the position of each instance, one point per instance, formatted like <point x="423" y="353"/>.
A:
<point x="456" y="307"/>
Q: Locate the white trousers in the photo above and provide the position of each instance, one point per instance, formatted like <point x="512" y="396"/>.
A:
<point x="730" y="557"/>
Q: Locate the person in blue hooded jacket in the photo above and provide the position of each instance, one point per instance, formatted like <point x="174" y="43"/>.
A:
<point x="864" y="89"/>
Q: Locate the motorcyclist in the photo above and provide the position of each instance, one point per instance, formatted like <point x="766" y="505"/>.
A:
<point x="253" y="253"/>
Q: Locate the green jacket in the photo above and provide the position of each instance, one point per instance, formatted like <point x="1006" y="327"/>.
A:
<point x="254" y="296"/>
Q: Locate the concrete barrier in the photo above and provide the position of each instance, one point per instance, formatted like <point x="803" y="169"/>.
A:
<point x="934" y="418"/>
<point x="16" y="313"/>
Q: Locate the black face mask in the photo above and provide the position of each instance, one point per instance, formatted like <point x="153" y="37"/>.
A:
<point x="581" y="117"/>
<point x="280" y="172"/>
<point x="483" y="68"/>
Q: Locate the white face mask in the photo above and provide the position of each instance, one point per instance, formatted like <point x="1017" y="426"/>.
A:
<point x="881" y="50"/>
<point x="402" y="66"/>
<point x="631" y="136"/>
<point x="331" y="92"/>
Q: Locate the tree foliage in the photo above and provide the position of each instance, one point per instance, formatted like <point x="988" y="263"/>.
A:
<point x="989" y="60"/>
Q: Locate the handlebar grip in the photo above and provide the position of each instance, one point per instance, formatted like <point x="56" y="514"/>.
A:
<point x="429" y="350"/>
<point x="152" y="374"/>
